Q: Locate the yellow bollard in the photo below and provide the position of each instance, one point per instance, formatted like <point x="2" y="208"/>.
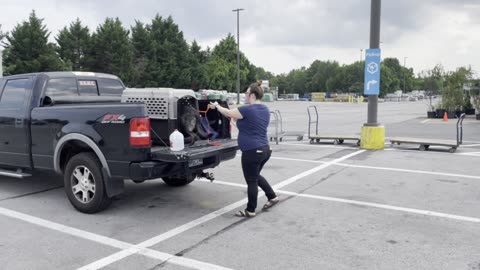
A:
<point x="372" y="138"/>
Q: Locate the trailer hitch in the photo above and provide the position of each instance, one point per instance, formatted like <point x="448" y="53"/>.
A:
<point x="207" y="175"/>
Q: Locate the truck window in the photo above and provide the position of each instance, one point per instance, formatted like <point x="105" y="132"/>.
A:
<point x="87" y="87"/>
<point x="61" y="87"/>
<point x="13" y="95"/>
<point x="110" y="87"/>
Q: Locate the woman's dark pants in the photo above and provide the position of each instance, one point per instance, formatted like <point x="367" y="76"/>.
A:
<point x="252" y="165"/>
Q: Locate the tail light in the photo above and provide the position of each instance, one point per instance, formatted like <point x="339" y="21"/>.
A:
<point x="140" y="132"/>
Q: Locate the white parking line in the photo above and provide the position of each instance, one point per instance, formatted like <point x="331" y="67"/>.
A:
<point x="109" y="241"/>
<point x="319" y="145"/>
<point x="409" y="171"/>
<point x="411" y="149"/>
<point x="386" y="206"/>
<point x="299" y="159"/>
<point x="375" y="205"/>
<point x="425" y="121"/>
<point x="314" y="170"/>
<point x="473" y="154"/>
<point x="178" y="230"/>
<point x="383" y="168"/>
<point x="470" y="145"/>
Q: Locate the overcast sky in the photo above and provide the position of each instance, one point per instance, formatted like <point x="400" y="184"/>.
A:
<point x="281" y="35"/>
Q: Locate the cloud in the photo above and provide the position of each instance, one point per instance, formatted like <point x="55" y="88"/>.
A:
<point x="281" y="35"/>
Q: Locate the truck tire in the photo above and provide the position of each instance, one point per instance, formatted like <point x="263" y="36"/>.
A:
<point x="84" y="184"/>
<point x="178" y="181"/>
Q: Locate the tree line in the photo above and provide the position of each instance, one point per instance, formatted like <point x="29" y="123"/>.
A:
<point x="146" y="55"/>
<point x="156" y="54"/>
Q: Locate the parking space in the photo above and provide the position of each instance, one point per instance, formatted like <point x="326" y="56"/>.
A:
<point x="29" y="246"/>
<point x="139" y="214"/>
<point x="449" y="193"/>
<point x="341" y="208"/>
<point x="311" y="234"/>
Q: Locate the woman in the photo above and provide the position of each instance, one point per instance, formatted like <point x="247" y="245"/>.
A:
<point x="252" y="123"/>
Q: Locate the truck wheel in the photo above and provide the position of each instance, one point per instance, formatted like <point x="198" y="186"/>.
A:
<point x="178" y="181"/>
<point x="84" y="184"/>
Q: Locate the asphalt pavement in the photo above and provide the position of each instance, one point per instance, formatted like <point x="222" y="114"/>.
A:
<point x="341" y="207"/>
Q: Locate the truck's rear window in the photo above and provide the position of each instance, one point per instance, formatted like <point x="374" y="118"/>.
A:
<point x="61" y="87"/>
<point x="87" y="87"/>
<point x="109" y="87"/>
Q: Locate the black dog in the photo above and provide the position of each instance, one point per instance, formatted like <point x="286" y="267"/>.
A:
<point x="190" y="125"/>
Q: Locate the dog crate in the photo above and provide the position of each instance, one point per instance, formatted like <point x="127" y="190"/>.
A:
<point x="170" y="108"/>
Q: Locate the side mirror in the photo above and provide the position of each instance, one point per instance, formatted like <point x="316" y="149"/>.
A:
<point x="48" y="101"/>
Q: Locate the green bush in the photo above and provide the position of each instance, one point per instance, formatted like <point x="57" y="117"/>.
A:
<point x="467" y="104"/>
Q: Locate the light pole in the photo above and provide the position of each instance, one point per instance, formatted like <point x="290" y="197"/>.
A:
<point x="374" y="43"/>
<point x="361" y="54"/>
<point x="404" y="64"/>
<point x="238" y="52"/>
<point x="373" y="133"/>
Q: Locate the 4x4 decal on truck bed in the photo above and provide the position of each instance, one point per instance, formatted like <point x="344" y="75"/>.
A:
<point x="113" y="119"/>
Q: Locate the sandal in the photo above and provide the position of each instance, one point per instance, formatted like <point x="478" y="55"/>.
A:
<point x="245" y="213"/>
<point x="271" y="203"/>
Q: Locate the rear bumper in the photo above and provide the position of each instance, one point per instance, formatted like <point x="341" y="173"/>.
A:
<point x="180" y="164"/>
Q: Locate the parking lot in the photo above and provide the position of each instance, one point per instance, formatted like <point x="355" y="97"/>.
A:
<point x="341" y="207"/>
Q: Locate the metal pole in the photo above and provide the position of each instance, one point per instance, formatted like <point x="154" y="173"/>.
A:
<point x="374" y="44"/>
<point x="238" y="52"/>
<point x="404" y="64"/>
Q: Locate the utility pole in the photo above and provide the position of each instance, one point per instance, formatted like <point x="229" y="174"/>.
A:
<point x="238" y="52"/>
<point x="404" y="64"/>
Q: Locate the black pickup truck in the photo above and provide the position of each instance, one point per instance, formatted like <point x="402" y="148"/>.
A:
<point x="79" y="125"/>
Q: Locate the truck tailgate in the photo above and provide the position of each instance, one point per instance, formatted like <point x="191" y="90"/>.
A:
<point x="201" y="149"/>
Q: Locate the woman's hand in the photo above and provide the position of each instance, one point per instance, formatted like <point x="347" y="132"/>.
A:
<point x="213" y="105"/>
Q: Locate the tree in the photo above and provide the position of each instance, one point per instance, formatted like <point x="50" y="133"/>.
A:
<point x="141" y="45"/>
<point x="432" y="82"/>
<point x="298" y="79"/>
<point x="112" y="50"/>
<point x="198" y="66"/>
<point x="2" y="35"/>
<point x="319" y="73"/>
<point x="224" y="76"/>
<point x="452" y="94"/>
<point x="27" y="49"/>
<point x="75" y="46"/>
<point x="262" y="74"/>
<point x="402" y="74"/>
<point x="389" y="83"/>
<point x="220" y="74"/>
<point x="168" y="57"/>
<point x="281" y="82"/>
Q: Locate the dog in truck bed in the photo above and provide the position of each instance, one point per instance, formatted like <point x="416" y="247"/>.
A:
<point x="190" y="125"/>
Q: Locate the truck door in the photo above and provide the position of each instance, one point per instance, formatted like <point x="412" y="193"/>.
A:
<point x="14" y="123"/>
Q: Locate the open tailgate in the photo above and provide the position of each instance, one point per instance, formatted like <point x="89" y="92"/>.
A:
<point x="223" y="149"/>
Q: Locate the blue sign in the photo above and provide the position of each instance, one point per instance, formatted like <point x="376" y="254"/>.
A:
<point x="372" y="72"/>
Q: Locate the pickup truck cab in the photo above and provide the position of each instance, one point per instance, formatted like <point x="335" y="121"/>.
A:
<point x="76" y="124"/>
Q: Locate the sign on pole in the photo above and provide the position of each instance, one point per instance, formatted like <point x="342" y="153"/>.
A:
<point x="372" y="72"/>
